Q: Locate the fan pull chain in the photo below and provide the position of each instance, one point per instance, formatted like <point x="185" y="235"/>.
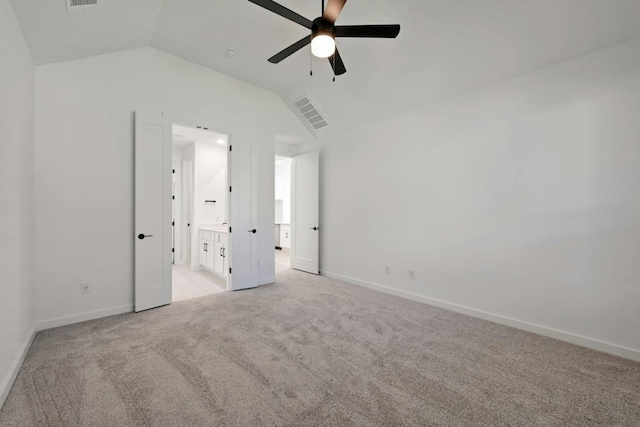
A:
<point x="310" y="63"/>
<point x="334" y="66"/>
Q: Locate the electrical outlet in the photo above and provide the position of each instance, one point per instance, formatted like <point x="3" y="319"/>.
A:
<point x="85" y="288"/>
<point x="412" y="274"/>
<point x="387" y="270"/>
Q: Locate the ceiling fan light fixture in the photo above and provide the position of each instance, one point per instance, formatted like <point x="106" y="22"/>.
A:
<point x="323" y="45"/>
<point x="324" y="31"/>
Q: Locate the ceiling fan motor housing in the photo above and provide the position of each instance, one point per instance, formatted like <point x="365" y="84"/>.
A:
<point x="321" y="26"/>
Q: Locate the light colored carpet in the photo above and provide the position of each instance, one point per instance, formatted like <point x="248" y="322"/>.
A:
<point x="314" y="351"/>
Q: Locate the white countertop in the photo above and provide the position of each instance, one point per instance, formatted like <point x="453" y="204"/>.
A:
<point x="217" y="228"/>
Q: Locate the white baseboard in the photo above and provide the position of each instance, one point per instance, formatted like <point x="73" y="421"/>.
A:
<point x="6" y="385"/>
<point x="266" y="280"/>
<point x="83" y="317"/>
<point x="627" y="353"/>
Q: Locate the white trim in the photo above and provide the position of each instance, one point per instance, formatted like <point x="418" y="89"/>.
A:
<point x="591" y="343"/>
<point x="179" y="247"/>
<point x="5" y="388"/>
<point x="83" y="317"/>
<point x="266" y="280"/>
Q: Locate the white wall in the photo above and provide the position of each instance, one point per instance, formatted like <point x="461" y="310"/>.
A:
<point x="520" y="200"/>
<point x="17" y="302"/>
<point x="84" y="163"/>
<point x="209" y="184"/>
<point x="283" y="187"/>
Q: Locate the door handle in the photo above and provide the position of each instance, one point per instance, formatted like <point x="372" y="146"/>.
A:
<point x="315" y="228"/>
<point x="142" y="236"/>
<point x="252" y="231"/>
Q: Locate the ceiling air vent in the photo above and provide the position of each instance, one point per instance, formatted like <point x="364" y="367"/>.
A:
<point x="310" y="113"/>
<point x="81" y="5"/>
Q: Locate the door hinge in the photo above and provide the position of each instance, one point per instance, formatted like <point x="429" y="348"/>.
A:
<point x="230" y="148"/>
<point x="173" y="223"/>
<point x="229" y="229"/>
<point x="229" y="189"/>
<point x="173" y="249"/>
<point x="174" y="171"/>
<point x="229" y="270"/>
<point x="173" y="197"/>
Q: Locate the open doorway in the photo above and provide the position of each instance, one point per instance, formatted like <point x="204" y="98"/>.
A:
<point x="199" y="208"/>
<point x="198" y="224"/>
<point x="283" y="213"/>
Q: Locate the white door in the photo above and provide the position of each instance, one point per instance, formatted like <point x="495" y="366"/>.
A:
<point x="243" y="235"/>
<point x="152" y="277"/>
<point x="305" y="206"/>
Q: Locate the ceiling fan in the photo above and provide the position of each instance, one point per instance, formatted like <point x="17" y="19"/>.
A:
<point x="324" y="31"/>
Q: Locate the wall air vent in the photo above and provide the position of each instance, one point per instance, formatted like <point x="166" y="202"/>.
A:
<point x="74" y="6"/>
<point x="310" y="113"/>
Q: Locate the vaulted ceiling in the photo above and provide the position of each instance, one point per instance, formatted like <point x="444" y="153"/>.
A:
<point x="445" y="47"/>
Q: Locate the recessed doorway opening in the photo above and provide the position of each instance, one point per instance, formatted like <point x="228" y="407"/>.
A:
<point x="282" y="213"/>
<point x="200" y="212"/>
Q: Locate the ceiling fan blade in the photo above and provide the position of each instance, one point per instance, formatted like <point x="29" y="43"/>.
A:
<point x="333" y="9"/>
<point x="336" y="63"/>
<point x="290" y="50"/>
<point x="373" y="31"/>
<point x="283" y="11"/>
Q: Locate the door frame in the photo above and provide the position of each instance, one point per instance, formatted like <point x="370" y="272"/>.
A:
<point x="192" y="236"/>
